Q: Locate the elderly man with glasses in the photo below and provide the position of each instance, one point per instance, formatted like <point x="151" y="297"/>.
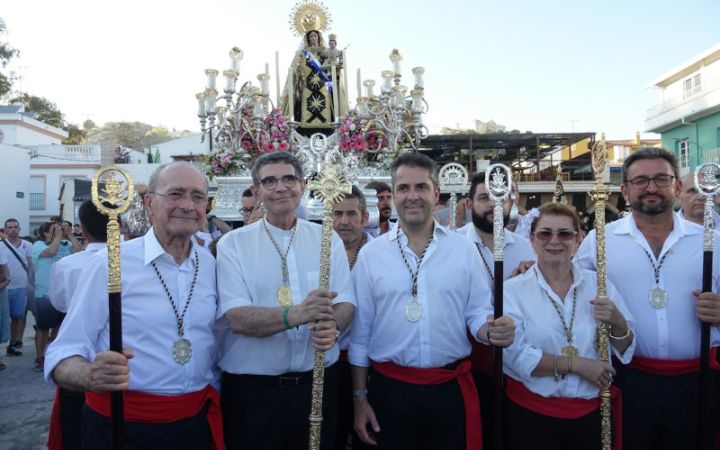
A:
<point x="268" y="281"/>
<point x="655" y="260"/>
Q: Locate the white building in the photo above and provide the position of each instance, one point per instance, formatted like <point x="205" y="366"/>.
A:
<point x="20" y="135"/>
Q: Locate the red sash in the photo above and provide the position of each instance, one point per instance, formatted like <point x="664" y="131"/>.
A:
<point x="414" y="375"/>
<point x="55" y="434"/>
<point x="150" y="408"/>
<point x="565" y="408"/>
<point x="343" y="356"/>
<point x="665" y="367"/>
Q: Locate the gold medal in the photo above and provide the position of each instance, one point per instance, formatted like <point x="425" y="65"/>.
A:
<point x="570" y="350"/>
<point x="285" y="296"/>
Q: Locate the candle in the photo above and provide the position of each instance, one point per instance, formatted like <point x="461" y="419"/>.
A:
<point x="201" y="104"/>
<point x="211" y="75"/>
<point x="264" y="80"/>
<point x="387" y="76"/>
<point x="291" y="92"/>
<point x="267" y="69"/>
<point x="359" y="90"/>
<point x="277" y="78"/>
<point x="418" y="72"/>
<point x="235" y="56"/>
<point x="230" y="76"/>
<point x="369" y="88"/>
<point x="210" y="97"/>
<point x="396" y="57"/>
<point x="344" y="71"/>
<point x="336" y="103"/>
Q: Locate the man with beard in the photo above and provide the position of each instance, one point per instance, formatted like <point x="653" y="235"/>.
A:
<point x="516" y="250"/>
<point x="692" y="203"/>
<point x="384" y="197"/>
<point x="350" y="217"/>
<point x="417" y="292"/>
<point x="655" y="260"/>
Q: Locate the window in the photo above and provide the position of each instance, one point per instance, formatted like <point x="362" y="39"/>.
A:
<point x="684" y="154"/>
<point x="692" y="86"/>
<point x="37" y="193"/>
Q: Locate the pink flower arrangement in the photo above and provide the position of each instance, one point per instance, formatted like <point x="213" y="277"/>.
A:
<point x="276" y="133"/>
<point x="350" y="132"/>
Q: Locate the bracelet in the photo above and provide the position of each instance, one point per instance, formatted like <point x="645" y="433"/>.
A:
<point x="620" y="338"/>
<point x="286" y="324"/>
<point x="557" y="375"/>
<point x="362" y="393"/>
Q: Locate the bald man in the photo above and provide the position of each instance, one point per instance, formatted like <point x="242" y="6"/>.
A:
<point x="693" y="204"/>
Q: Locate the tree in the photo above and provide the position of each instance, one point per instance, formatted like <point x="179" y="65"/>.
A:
<point x="156" y="135"/>
<point x="76" y="135"/>
<point x="7" y="53"/>
<point x="45" y="110"/>
<point x="89" y="125"/>
<point x="127" y="134"/>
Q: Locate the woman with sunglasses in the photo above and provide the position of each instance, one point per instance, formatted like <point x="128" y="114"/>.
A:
<point x="553" y="370"/>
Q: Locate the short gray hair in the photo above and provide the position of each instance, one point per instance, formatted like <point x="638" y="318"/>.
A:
<point x="274" y="158"/>
<point x="650" y="153"/>
<point x="157" y="173"/>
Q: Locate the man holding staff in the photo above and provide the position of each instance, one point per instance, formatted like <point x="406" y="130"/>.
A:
<point x="418" y="290"/>
<point x="268" y="278"/>
<point x="655" y="260"/>
<point x="168" y="306"/>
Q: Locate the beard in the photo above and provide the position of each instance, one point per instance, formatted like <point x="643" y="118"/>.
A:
<point x="651" y="210"/>
<point x="484" y="224"/>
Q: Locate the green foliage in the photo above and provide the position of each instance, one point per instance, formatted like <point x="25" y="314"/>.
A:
<point x="76" y="135"/>
<point x="45" y="110"/>
<point x="7" y="53"/>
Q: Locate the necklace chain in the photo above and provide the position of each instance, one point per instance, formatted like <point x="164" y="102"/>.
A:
<point x="283" y="257"/>
<point x="656" y="269"/>
<point x="487" y="266"/>
<point x="180" y="318"/>
<point x="363" y="241"/>
<point x="414" y="274"/>
<point x="568" y="329"/>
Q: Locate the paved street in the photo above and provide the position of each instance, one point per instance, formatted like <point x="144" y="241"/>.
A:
<point x="25" y="399"/>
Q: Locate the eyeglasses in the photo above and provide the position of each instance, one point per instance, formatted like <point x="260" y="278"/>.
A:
<point x="247" y="210"/>
<point x="271" y="182"/>
<point x="177" y="196"/>
<point x="661" y="181"/>
<point x="563" y="235"/>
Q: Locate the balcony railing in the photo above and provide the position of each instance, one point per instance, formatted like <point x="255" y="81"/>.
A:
<point x="707" y="88"/>
<point x="69" y="153"/>
<point x="711" y="155"/>
<point x="37" y="201"/>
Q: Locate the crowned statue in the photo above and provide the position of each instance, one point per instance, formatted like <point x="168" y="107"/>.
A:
<point x="315" y="75"/>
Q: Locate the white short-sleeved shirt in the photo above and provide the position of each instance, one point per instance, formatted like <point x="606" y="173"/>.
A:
<point x="516" y="249"/>
<point x="538" y="329"/>
<point x="672" y="332"/>
<point x="65" y="275"/>
<point x="18" y="275"/>
<point x="250" y="274"/>
<point x="453" y="298"/>
<point x="149" y="323"/>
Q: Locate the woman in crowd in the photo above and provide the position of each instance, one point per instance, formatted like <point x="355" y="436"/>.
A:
<point x="553" y="368"/>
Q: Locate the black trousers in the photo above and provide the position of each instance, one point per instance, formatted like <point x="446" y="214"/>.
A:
<point x="262" y="413"/>
<point x="344" y="433"/>
<point x="71" y="407"/>
<point x="527" y="429"/>
<point x="485" y="385"/>
<point x="192" y="433"/>
<point x="429" y="417"/>
<point x="659" y="413"/>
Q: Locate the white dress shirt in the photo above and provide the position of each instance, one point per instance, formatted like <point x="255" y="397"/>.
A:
<point x="453" y="298"/>
<point x="538" y="329"/>
<point x="672" y="332"/>
<point x="149" y="323"/>
<point x="716" y="217"/>
<point x="515" y="250"/>
<point x="344" y="340"/>
<point x="250" y="273"/>
<point x="18" y="275"/>
<point x="375" y="232"/>
<point x="65" y="275"/>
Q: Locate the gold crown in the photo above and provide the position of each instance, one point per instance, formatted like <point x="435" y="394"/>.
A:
<point x="309" y="15"/>
<point x="332" y="37"/>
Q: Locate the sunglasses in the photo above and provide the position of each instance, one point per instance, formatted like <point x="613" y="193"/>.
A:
<point x="563" y="235"/>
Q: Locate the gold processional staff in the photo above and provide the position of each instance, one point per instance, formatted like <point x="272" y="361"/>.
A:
<point x="112" y="195"/>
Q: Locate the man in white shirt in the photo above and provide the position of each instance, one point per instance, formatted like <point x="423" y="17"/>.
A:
<point x="384" y="205"/>
<point x="418" y="292"/>
<point x="516" y="250"/>
<point x="655" y="260"/>
<point x="168" y="307"/>
<point x="350" y="216"/>
<point x="268" y="278"/>
<point x="19" y="256"/>
<point x="64" y="279"/>
<point x="692" y="203"/>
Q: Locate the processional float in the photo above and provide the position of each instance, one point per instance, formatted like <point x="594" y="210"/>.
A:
<point x="112" y="194"/>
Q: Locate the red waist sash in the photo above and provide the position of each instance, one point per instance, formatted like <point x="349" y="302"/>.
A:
<point x="665" y="367"/>
<point x="565" y="408"/>
<point x="150" y="408"/>
<point x="343" y="356"/>
<point x="461" y="373"/>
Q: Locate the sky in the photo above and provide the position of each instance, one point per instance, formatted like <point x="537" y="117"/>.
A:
<point x="540" y="66"/>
